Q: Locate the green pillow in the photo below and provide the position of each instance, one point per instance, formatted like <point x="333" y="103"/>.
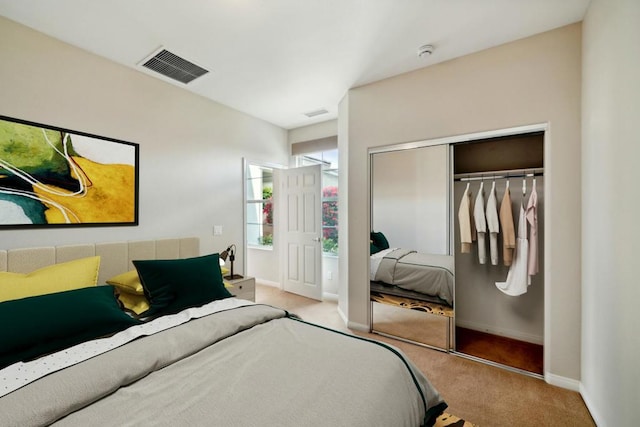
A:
<point x="173" y="285"/>
<point x="39" y="325"/>
<point x="374" y="249"/>
<point x="379" y="240"/>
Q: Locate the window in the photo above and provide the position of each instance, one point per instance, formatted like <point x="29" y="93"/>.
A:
<point x="259" y="206"/>
<point x="329" y="162"/>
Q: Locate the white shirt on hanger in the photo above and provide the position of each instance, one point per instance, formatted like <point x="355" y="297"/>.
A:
<point x="481" y="225"/>
<point x="465" y="222"/>
<point x="517" y="278"/>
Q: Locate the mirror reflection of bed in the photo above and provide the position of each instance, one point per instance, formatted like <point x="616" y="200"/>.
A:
<point x="411" y="267"/>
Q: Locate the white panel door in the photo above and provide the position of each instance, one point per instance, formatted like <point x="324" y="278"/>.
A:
<point x="302" y="230"/>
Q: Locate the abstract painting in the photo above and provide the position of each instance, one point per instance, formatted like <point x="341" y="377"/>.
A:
<point x="53" y="177"/>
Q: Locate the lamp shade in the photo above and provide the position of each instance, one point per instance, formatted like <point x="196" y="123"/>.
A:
<point x="230" y="253"/>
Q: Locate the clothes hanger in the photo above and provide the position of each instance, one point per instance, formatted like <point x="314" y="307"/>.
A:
<point x="524" y="183"/>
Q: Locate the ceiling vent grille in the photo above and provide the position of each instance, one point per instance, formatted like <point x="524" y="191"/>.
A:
<point x="174" y="67"/>
<point x="316" y="113"/>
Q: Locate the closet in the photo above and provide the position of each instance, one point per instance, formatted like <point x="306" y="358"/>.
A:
<point x="416" y="193"/>
<point x="492" y="323"/>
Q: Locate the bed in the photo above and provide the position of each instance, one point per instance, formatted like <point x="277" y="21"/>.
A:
<point x="407" y="273"/>
<point x="226" y="361"/>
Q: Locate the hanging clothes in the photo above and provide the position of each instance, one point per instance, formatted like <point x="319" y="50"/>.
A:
<point x="518" y="278"/>
<point x="508" y="228"/>
<point x="473" y="222"/>
<point x="481" y="225"/>
<point x="532" y="220"/>
<point x="465" y="221"/>
<point x="493" y="225"/>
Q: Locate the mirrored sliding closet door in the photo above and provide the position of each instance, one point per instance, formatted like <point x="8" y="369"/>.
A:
<point x="411" y="266"/>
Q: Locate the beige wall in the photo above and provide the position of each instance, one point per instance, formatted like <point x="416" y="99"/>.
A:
<point x="534" y="80"/>
<point x="610" y="206"/>
<point x="314" y="131"/>
<point x="191" y="149"/>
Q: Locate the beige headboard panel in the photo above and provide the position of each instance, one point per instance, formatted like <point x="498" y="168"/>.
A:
<point x="115" y="257"/>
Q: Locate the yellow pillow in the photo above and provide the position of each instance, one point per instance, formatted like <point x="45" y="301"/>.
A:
<point x="134" y="302"/>
<point x="128" y="282"/>
<point x="224" y="271"/>
<point x="66" y="276"/>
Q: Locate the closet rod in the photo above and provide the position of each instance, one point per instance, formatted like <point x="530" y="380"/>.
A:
<point x="477" y="176"/>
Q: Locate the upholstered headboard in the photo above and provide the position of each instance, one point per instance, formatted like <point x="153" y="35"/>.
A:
<point x="115" y="257"/>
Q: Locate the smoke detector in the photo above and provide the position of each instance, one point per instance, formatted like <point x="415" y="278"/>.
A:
<point x="425" y="51"/>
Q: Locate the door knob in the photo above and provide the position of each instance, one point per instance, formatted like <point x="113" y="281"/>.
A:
<point x="316" y="239"/>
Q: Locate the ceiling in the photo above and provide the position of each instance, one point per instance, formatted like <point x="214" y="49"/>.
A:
<point x="279" y="59"/>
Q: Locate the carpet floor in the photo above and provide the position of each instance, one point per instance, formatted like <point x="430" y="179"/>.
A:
<point x="481" y="394"/>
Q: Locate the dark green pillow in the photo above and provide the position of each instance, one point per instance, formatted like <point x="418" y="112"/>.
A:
<point x="374" y="249"/>
<point x="379" y="240"/>
<point x="35" y="326"/>
<point x="172" y="285"/>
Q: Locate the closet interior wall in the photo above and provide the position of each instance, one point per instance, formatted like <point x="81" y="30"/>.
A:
<point x="480" y="305"/>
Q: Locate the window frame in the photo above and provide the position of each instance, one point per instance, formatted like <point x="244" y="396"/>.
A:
<point x="248" y="202"/>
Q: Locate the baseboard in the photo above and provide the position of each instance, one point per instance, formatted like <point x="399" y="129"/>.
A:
<point x="509" y="333"/>
<point x="358" y="326"/>
<point x="589" y="404"/>
<point x="326" y="296"/>
<point x="353" y="325"/>
<point x="343" y="316"/>
<point x="564" y="382"/>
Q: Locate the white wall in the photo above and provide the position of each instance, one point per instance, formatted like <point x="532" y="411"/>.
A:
<point x="533" y="80"/>
<point x="410" y="202"/>
<point x="264" y="264"/>
<point x="344" y="252"/>
<point x="191" y="149"/>
<point x="610" y="206"/>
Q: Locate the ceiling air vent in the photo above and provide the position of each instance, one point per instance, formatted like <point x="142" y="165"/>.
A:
<point x="174" y="67"/>
<point x="316" y="113"/>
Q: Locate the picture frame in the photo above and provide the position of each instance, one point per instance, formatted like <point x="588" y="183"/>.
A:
<point x="56" y="177"/>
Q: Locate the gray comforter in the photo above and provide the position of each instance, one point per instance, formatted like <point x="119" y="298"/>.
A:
<point x="427" y="274"/>
<point x="249" y="366"/>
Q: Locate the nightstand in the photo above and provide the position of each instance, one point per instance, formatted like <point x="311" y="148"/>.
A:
<point x="244" y="288"/>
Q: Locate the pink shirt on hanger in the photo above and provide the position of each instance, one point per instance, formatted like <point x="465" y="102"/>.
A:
<point x="532" y="219"/>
